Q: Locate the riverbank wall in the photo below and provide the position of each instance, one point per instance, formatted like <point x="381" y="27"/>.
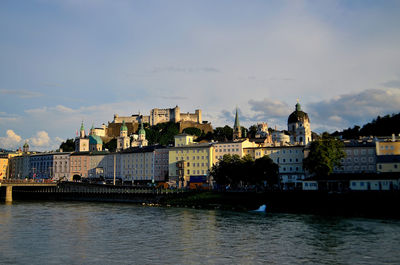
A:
<point x="352" y="203"/>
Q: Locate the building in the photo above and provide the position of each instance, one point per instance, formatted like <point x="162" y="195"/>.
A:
<point x="25" y="148"/>
<point x="189" y="163"/>
<point x="299" y="126"/>
<point x="289" y="160"/>
<point x="41" y="166"/>
<point x="144" y="164"/>
<point x="81" y="141"/>
<point x="123" y="141"/>
<point x="20" y="165"/>
<point x="98" y="164"/>
<point x="139" y="140"/>
<point x="232" y="148"/>
<point x="388" y="146"/>
<point x="79" y="165"/>
<point x="157" y="116"/>
<point x="262" y="130"/>
<point x="95" y="141"/>
<point x="360" y="157"/>
<point x="3" y="167"/>
<point x="61" y="166"/>
<point x="388" y="163"/>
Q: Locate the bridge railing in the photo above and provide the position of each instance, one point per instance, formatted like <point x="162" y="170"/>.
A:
<point x="23" y="181"/>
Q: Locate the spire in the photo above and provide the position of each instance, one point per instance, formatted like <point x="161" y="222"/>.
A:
<point x="82" y="127"/>
<point x="237" y="124"/>
<point x="82" y="132"/>
<point x="237" y="130"/>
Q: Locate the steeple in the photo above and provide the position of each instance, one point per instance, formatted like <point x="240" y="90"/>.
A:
<point x="237" y="130"/>
<point x="123" y="130"/>
<point x="142" y="132"/>
<point x="237" y="124"/>
<point x="82" y="131"/>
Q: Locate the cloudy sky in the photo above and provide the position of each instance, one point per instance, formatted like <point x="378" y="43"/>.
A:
<point x="63" y="61"/>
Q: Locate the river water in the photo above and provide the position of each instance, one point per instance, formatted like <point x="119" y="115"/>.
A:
<point x="114" y="233"/>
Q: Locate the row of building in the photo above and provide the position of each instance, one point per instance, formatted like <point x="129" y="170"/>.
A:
<point x="189" y="162"/>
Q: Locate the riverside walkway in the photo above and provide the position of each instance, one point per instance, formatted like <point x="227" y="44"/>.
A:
<point x="76" y="190"/>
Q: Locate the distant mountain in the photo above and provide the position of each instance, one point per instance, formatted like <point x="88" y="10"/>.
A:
<point x="381" y="126"/>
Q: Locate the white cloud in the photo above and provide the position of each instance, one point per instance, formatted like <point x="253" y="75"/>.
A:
<point x="11" y="141"/>
<point x="41" y="139"/>
<point x="354" y="108"/>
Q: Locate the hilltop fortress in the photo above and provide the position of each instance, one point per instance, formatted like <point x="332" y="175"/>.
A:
<point x="185" y="120"/>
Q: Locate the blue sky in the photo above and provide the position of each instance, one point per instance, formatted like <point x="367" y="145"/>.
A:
<point x="63" y="61"/>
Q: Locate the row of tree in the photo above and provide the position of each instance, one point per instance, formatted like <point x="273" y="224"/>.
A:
<point x="381" y="126"/>
<point x="238" y="172"/>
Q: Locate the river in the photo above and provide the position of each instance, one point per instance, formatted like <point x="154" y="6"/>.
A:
<point x="117" y="233"/>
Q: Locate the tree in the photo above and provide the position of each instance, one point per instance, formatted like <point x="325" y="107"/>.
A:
<point x="235" y="171"/>
<point x="192" y="131"/>
<point x="324" y="155"/>
<point x="252" y="131"/>
<point x="266" y="170"/>
<point x="111" y="145"/>
<point x="68" y="145"/>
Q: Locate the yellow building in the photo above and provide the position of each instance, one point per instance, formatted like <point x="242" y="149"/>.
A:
<point x="7" y="169"/>
<point x="3" y="167"/>
<point x="189" y="162"/>
<point x="232" y="147"/>
<point x="387" y="148"/>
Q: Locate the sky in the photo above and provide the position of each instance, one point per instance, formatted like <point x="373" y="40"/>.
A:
<point x="64" y="61"/>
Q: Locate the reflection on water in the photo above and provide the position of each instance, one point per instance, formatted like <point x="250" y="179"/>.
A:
<point x="89" y="233"/>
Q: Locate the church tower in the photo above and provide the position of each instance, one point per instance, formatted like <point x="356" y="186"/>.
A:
<point x="237" y="130"/>
<point x="25" y="148"/>
<point x="299" y="126"/>
<point x="123" y="140"/>
<point x="81" y="142"/>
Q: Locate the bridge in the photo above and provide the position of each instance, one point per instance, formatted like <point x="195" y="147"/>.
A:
<point x="9" y="184"/>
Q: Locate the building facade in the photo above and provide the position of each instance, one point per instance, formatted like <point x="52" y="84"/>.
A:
<point x="61" y="166"/>
<point x="190" y="163"/>
<point x="288" y="158"/>
<point x="79" y="165"/>
<point x="360" y="157"/>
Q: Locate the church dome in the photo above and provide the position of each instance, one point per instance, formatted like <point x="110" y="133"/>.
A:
<point x="26" y="145"/>
<point x="298" y="115"/>
<point x="94" y="139"/>
<point x="141" y="130"/>
<point x="123" y="127"/>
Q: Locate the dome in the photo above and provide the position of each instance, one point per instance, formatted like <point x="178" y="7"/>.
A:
<point x="123" y="127"/>
<point x="142" y="131"/>
<point x="298" y="115"/>
<point x="94" y="139"/>
<point x="26" y="145"/>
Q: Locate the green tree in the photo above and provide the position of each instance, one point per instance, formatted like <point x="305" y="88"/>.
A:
<point x="68" y="145"/>
<point x="266" y="170"/>
<point x="235" y="171"/>
<point x="193" y="131"/>
<point x="324" y="154"/>
<point x="252" y="131"/>
<point x="111" y="145"/>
